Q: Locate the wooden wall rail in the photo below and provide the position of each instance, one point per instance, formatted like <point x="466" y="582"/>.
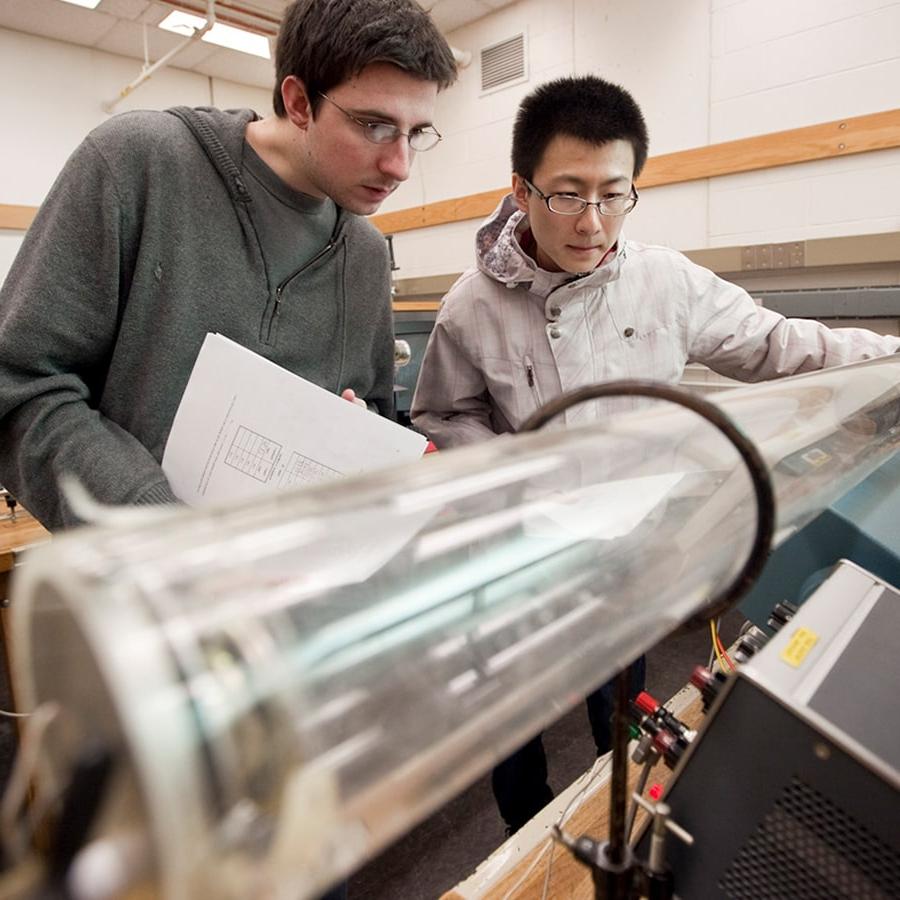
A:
<point x="16" y="218"/>
<point x="842" y="137"/>
<point x="859" y="134"/>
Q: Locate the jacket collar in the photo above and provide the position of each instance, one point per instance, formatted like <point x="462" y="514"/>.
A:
<point x="500" y="255"/>
<point x="221" y="134"/>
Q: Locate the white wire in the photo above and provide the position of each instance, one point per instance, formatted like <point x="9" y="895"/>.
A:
<point x="548" y="844"/>
<point x="598" y="769"/>
<point x="547" y="873"/>
<point x="14" y="715"/>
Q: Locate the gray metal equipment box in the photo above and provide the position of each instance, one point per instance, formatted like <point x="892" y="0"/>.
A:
<point x="791" y="790"/>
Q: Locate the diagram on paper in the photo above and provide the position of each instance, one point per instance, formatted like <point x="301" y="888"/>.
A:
<point x="259" y="457"/>
<point x="301" y="469"/>
<point x="246" y="426"/>
<point x="253" y="454"/>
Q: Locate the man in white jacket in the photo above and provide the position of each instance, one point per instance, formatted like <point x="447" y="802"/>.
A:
<point x="560" y="299"/>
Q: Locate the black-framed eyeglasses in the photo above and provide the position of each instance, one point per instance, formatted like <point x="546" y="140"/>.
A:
<point x="385" y="133"/>
<point x="571" y="205"/>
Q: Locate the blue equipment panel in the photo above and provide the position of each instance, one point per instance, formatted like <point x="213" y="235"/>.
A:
<point x="863" y="526"/>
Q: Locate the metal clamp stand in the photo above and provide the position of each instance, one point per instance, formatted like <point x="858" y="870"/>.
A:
<point x="612" y="863"/>
<point x="617" y="873"/>
<point x="658" y="876"/>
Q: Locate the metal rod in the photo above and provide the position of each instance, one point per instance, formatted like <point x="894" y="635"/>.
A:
<point x="639" y="790"/>
<point x="618" y="799"/>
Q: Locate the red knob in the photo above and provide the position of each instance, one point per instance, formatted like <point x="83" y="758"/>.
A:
<point x="664" y="742"/>
<point x="701" y="677"/>
<point x="646" y="704"/>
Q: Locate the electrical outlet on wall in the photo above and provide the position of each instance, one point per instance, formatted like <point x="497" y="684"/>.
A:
<point x="759" y="257"/>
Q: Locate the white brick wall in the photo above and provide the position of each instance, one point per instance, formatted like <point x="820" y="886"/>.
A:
<point x="827" y="198"/>
<point x="704" y="71"/>
<point x="777" y="65"/>
<point x="792" y="64"/>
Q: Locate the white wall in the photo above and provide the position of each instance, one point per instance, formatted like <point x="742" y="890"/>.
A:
<point x="50" y="97"/>
<point x="778" y="65"/>
<point x="704" y="71"/>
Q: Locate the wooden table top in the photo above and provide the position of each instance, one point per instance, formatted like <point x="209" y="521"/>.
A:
<point x="18" y="534"/>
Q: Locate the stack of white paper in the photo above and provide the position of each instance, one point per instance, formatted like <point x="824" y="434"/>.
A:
<point x="246" y="426"/>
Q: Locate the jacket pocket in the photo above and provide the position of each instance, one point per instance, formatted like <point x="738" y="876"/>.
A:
<point x="531" y="380"/>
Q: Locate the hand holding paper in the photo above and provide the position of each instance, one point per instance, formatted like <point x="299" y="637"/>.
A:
<point x="246" y="426"/>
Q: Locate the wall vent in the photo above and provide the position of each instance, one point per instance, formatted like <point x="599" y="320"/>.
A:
<point x="503" y="64"/>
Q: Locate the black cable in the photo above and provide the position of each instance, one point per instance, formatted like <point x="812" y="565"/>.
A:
<point x="756" y="467"/>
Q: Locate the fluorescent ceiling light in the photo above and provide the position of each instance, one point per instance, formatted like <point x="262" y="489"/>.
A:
<point x="90" y="4"/>
<point x="223" y="35"/>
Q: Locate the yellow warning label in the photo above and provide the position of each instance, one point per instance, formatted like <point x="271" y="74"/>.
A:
<point x="801" y="642"/>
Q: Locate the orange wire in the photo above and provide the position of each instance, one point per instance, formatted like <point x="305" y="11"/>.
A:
<point x="724" y="652"/>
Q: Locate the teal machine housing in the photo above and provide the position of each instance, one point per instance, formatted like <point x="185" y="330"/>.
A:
<point x="862" y="526"/>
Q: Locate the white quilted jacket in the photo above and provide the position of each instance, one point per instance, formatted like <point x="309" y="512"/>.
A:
<point x="511" y="336"/>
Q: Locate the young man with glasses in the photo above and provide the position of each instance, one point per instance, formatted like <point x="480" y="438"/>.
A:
<point x="164" y="226"/>
<point x="559" y="299"/>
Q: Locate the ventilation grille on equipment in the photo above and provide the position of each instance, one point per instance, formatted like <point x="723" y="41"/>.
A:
<point x="806" y="848"/>
<point x="503" y="64"/>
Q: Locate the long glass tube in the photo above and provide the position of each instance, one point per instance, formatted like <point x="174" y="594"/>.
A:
<point x="288" y="685"/>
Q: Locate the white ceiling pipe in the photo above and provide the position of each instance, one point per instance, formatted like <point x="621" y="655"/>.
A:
<point x="147" y="71"/>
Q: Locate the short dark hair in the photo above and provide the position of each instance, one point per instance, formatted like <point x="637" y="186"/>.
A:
<point x="584" y="107"/>
<point x="326" y="42"/>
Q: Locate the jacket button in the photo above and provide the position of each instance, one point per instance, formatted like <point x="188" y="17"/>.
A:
<point x="555" y="311"/>
<point x="628" y="332"/>
<point x="554" y="332"/>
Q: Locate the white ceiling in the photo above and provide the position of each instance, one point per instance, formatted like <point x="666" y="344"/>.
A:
<point x="118" y="26"/>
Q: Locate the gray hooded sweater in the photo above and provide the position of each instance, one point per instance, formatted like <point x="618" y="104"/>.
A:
<point x="144" y="244"/>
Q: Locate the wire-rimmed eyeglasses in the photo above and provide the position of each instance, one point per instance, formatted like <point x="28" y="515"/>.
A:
<point x="571" y="205"/>
<point x="385" y="133"/>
